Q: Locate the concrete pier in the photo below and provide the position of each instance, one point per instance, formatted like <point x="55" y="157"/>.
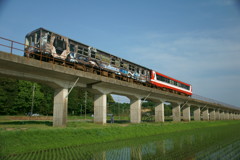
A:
<point x="227" y="115"/>
<point x="222" y="115"/>
<point x="186" y="113"/>
<point x="176" y="112"/>
<point x="205" y="114"/>
<point x="135" y="110"/>
<point x="231" y="116"/>
<point x="197" y="114"/>
<point x="212" y="115"/>
<point x="159" y="112"/>
<point x="100" y="108"/>
<point x="217" y="114"/>
<point x="60" y="107"/>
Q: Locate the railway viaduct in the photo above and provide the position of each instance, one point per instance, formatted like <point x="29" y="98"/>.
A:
<point x="62" y="78"/>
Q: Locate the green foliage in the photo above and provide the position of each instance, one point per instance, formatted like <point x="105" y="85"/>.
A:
<point x="18" y="96"/>
<point x="78" y="100"/>
<point x="167" y="109"/>
<point x="8" y="93"/>
<point x="110" y="99"/>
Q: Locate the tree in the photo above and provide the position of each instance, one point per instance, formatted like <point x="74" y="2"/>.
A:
<point x="47" y="105"/>
<point x="76" y="101"/>
<point x="23" y="101"/>
<point x="8" y="93"/>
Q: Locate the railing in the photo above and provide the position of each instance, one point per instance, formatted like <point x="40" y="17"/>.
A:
<point x="11" y="45"/>
<point x="14" y="46"/>
<point x="198" y="97"/>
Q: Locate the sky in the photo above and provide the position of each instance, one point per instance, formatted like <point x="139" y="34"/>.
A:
<point x="195" y="41"/>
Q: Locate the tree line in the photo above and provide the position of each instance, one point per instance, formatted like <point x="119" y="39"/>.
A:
<point x="19" y="97"/>
<point x="23" y="97"/>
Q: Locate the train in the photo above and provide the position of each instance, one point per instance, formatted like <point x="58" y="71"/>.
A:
<point x="48" y="46"/>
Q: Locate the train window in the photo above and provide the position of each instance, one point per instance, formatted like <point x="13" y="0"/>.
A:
<point x="143" y="72"/>
<point x="175" y="83"/>
<point x="85" y="51"/>
<point x="93" y="54"/>
<point x="59" y="44"/>
<point x="113" y="61"/>
<point x="80" y="50"/>
<point x="167" y="80"/>
<point x="98" y="56"/>
<point x="37" y="37"/>
<point x="121" y="64"/>
<point x="137" y="70"/>
<point x="131" y="67"/>
<point x="72" y="47"/>
<point x="125" y="66"/>
<point x="159" y="77"/>
<point x="171" y="81"/>
<point x="117" y="63"/>
<point x="49" y="38"/>
<point x="105" y="59"/>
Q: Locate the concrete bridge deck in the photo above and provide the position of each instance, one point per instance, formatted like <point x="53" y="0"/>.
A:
<point x="62" y="78"/>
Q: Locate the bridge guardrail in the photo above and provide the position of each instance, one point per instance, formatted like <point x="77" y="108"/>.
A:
<point x="14" y="46"/>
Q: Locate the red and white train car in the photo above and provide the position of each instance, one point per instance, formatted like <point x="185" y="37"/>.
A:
<point x="164" y="81"/>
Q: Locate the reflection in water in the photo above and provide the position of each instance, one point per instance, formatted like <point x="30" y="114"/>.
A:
<point x="207" y="143"/>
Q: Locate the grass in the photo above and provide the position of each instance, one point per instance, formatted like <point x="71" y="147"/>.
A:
<point x="28" y="136"/>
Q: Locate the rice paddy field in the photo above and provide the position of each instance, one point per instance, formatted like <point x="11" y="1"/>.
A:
<point x="36" y="139"/>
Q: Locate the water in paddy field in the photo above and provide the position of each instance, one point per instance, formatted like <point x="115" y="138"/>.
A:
<point x="203" y="144"/>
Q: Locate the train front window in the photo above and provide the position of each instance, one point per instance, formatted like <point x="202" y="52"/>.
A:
<point x="59" y="44"/>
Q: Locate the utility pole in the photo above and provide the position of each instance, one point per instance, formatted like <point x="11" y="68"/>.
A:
<point x="33" y="94"/>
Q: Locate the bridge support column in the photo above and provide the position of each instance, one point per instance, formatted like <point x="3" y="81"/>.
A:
<point x="205" y="114"/>
<point x="227" y="116"/>
<point x="217" y="114"/>
<point x="236" y="116"/>
<point x="159" y="112"/>
<point x="231" y="116"/>
<point x="100" y="108"/>
<point x="197" y="114"/>
<point x="135" y="110"/>
<point x="60" y="107"/>
<point x="176" y="112"/>
<point x="212" y="115"/>
<point x="186" y="113"/>
<point x="222" y="115"/>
